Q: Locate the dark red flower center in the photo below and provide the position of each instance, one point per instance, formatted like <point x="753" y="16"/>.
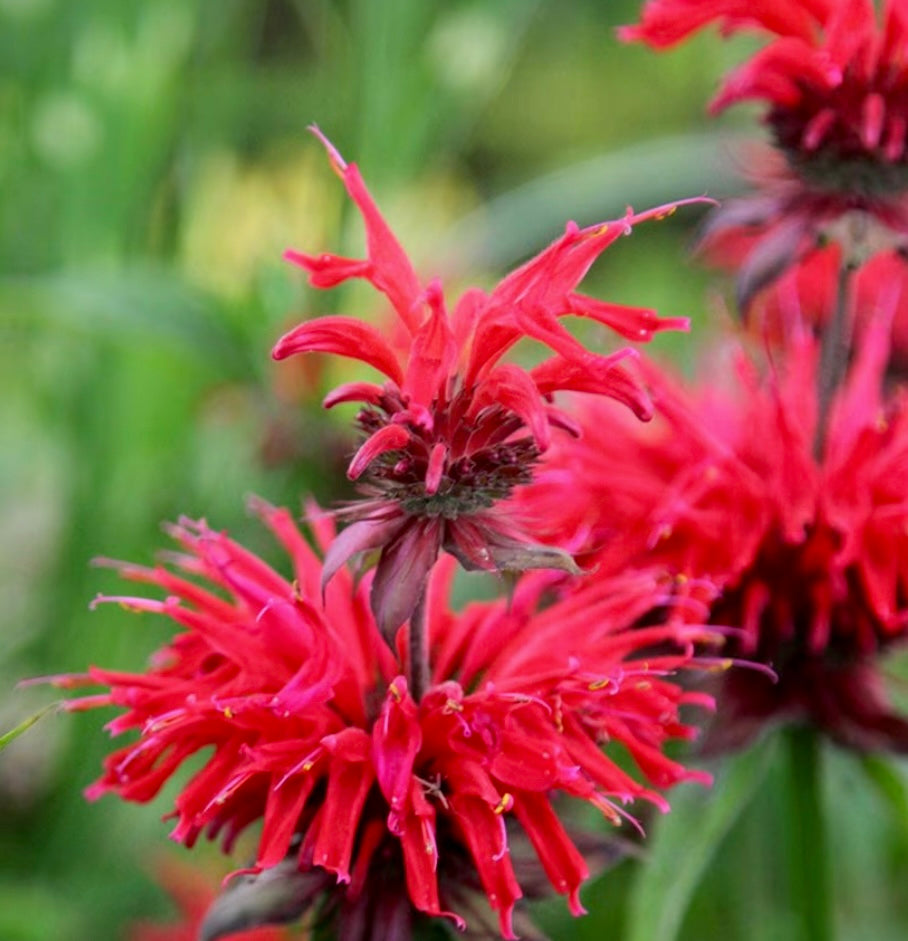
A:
<point x="850" y="138"/>
<point x="483" y="457"/>
<point x="796" y="602"/>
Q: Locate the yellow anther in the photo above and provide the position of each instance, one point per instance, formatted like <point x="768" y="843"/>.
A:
<point x="506" y="803"/>
<point x="598" y="684"/>
<point x="452" y="705"/>
<point x="644" y="685"/>
<point x="307" y="765"/>
<point x="228" y="712"/>
<point x="395" y="692"/>
<point x="558" y="716"/>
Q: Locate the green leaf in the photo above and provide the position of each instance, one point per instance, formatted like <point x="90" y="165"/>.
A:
<point x="889" y="783"/>
<point x="684" y="843"/>
<point x="135" y="306"/>
<point x="514" y="224"/>
<point x="25" y="725"/>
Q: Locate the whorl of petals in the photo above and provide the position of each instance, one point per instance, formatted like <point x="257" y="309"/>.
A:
<point x="306" y="722"/>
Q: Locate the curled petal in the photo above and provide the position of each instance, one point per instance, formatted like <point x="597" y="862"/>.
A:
<point x="389" y="438"/>
<point x="354" y="392"/>
<point x="511" y="387"/>
<point x="596" y="374"/>
<point x="345" y="336"/>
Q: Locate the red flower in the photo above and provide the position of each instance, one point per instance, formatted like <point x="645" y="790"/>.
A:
<point x="810" y="557"/>
<point x="834" y="77"/>
<point x="381" y="809"/>
<point x="453" y="429"/>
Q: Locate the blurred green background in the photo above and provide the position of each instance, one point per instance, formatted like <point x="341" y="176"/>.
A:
<point x="154" y="164"/>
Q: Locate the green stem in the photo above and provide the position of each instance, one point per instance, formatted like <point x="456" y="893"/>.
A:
<point x="834" y="349"/>
<point x="419" y="649"/>
<point x="808" y="856"/>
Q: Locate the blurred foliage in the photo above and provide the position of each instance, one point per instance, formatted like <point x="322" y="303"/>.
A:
<point x="154" y="164"/>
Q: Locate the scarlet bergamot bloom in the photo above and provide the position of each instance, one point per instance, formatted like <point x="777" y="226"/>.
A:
<point x="809" y="554"/>
<point x="834" y="78"/>
<point x="377" y="810"/>
<point x="453" y="429"/>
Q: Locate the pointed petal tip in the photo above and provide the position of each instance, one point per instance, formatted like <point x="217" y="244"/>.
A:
<point x="627" y="33"/>
<point x="333" y="153"/>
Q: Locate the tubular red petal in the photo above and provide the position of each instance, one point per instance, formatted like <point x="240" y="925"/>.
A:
<point x="327" y="270"/>
<point x="388" y="438"/>
<point x="344" y="336"/>
<point x="281" y="819"/>
<point x="432" y="352"/>
<point x="600" y="375"/>
<point x="396" y="740"/>
<point x="350" y="778"/>
<point x="481" y="827"/>
<point x="634" y="323"/>
<point x="510" y="387"/>
<point x="354" y="392"/>
<point x="563" y="864"/>
<point x="391" y="272"/>
<point x="436" y="467"/>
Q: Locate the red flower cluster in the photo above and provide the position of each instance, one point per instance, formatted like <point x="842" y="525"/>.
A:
<point x="810" y="557"/>
<point x="382" y="803"/>
<point x="453" y="429"/>
<point x="834" y="76"/>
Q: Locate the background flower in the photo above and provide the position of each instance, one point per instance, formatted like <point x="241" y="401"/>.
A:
<point x="808" y="557"/>
<point x="833" y="78"/>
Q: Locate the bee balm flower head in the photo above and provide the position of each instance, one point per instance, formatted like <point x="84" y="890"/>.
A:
<point x="378" y="811"/>
<point x="453" y="429"/>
